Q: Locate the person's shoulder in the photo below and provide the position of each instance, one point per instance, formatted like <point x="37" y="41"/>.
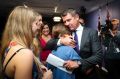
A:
<point x="90" y="29"/>
<point x="25" y="53"/>
<point x="24" y="62"/>
<point x="65" y="47"/>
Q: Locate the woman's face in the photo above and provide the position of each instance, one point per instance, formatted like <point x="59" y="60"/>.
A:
<point x="45" y="30"/>
<point x="36" y="24"/>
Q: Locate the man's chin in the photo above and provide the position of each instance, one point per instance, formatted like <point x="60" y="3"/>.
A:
<point x="72" y="29"/>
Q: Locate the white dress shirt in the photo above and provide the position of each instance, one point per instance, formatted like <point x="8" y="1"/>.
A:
<point x="79" y="32"/>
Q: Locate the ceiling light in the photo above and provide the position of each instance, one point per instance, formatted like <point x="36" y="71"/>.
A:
<point x="56" y="19"/>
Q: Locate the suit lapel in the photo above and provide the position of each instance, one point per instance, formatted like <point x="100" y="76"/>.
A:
<point x="84" y="37"/>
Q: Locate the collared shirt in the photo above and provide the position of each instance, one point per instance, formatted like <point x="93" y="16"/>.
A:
<point x="79" y="32"/>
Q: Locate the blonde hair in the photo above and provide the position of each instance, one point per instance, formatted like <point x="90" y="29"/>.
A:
<point x="59" y="30"/>
<point x="19" y="26"/>
<point x="36" y="46"/>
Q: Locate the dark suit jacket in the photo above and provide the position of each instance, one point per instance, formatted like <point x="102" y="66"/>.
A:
<point x="90" y="49"/>
<point x="112" y="43"/>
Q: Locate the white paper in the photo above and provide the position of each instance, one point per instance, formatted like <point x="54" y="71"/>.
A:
<point x="57" y="62"/>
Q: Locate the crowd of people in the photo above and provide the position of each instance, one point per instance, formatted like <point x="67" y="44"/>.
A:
<point x="27" y="42"/>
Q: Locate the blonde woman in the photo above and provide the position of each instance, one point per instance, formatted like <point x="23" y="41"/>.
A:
<point x="19" y="61"/>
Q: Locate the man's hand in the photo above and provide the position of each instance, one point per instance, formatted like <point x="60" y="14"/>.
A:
<point x="67" y="41"/>
<point x="71" y="65"/>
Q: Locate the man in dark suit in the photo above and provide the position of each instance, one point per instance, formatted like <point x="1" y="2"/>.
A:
<point x="89" y="47"/>
<point x="112" y="44"/>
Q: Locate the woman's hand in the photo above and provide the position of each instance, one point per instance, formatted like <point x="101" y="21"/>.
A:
<point x="47" y="75"/>
<point x="44" y="69"/>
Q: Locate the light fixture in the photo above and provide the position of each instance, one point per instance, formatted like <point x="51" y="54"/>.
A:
<point x="56" y="19"/>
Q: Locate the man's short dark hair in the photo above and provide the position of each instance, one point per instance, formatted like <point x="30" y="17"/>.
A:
<point x="71" y="11"/>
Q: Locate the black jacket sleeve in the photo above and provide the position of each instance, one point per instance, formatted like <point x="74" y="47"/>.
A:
<point x="51" y="44"/>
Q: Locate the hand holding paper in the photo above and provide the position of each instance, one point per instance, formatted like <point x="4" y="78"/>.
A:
<point x="57" y="62"/>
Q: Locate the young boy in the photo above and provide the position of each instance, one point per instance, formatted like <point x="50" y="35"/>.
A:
<point x="63" y="52"/>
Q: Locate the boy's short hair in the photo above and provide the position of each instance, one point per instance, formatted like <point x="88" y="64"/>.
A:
<point x="59" y="29"/>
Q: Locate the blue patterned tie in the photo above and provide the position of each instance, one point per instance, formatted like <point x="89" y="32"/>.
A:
<point x="76" y="39"/>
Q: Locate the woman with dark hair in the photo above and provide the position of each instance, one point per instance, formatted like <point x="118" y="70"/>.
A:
<point x="45" y="36"/>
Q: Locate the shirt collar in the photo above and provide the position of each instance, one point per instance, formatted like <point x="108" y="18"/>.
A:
<point x="80" y="28"/>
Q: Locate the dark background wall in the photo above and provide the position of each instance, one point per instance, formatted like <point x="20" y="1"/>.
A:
<point x="4" y="12"/>
<point x="92" y="18"/>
